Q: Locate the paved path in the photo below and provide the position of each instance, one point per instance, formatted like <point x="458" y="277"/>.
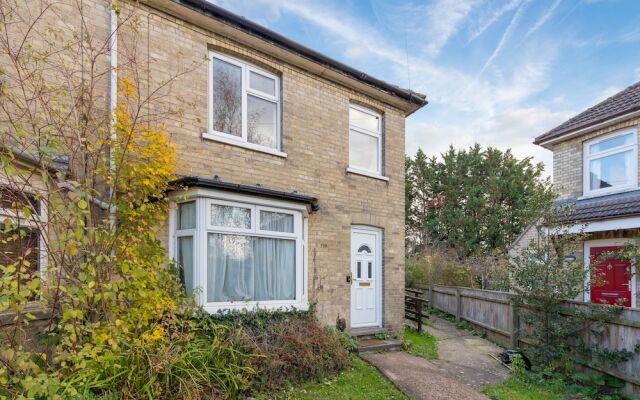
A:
<point x="463" y="367"/>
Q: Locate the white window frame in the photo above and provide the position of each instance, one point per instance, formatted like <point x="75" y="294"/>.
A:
<point x="35" y="221"/>
<point x="204" y="199"/>
<point x="632" y="175"/>
<point x="376" y="134"/>
<point x="246" y="90"/>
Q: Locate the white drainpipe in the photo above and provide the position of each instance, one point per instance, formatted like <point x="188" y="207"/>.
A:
<point x="113" y="98"/>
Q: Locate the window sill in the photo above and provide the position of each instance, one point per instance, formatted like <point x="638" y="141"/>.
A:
<point x="368" y="174"/>
<point x="609" y="192"/>
<point x="250" y="146"/>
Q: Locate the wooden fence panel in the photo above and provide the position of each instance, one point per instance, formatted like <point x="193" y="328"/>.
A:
<point x="494" y="312"/>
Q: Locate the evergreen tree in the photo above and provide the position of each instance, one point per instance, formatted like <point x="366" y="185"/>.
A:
<point x="473" y="200"/>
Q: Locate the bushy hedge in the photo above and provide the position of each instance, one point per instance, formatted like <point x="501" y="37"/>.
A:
<point x="290" y="347"/>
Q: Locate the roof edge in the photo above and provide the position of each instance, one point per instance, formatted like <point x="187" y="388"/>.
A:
<point x="416" y="99"/>
<point x="196" y="181"/>
<point x="582" y="130"/>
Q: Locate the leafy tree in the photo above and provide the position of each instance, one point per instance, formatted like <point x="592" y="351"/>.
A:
<point x="473" y="200"/>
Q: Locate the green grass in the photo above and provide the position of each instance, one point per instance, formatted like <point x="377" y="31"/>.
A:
<point x="359" y="382"/>
<point x="517" y="389"/>
<point x="422" y="344"/>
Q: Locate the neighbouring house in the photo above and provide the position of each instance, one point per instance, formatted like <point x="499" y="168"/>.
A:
<point x="291" y="165"/>
<point x="595" y="173"/>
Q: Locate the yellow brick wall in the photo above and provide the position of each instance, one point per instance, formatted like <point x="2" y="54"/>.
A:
<point x="314" y="136"/>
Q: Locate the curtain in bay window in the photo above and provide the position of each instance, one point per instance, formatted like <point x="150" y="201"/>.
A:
<point x="276" y="222"/>
<point x="246" y="268"/>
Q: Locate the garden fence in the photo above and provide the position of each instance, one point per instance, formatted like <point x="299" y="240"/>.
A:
<point x="495" y="313"/>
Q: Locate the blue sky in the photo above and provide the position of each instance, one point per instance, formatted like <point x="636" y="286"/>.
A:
<point x="496" y="72"/>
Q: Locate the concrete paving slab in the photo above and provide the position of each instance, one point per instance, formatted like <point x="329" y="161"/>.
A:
<point x="463" y="366"/>
<point x="421" y="379"/>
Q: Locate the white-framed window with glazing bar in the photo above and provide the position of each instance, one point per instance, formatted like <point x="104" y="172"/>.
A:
<point x="240" y="252"/>
<point x="611" y="163"/>
<point x="244" y="105"/>
<point x="365" y="141"/>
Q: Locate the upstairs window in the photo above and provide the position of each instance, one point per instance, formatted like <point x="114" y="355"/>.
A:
<point x="365" y="140"/>
<point x="244" y="104"/>
<point x="611" y="163"/>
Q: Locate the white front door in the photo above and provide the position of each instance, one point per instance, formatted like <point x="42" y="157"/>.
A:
<point x="366" y="268"/>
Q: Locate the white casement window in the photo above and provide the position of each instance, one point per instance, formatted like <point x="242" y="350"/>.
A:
<point x="365" y="141"/>
<point x="21" y="240"/>
<point x="237" y="252"/>
<point x="611" y="163"/>
<point x="244" y="105"/>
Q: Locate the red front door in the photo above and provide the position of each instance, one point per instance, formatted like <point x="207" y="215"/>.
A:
<point x="614" y="273"/>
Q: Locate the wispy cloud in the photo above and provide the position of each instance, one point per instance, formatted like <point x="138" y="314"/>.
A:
<point x="505" y="36"/>
<point x="543" y="19"/>
<point x="444" y="18"/>
<point x="493" y="18"/>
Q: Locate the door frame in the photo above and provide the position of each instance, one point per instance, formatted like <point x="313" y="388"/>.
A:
<point x="377" y="273"/>
<point x="587" y="245"/>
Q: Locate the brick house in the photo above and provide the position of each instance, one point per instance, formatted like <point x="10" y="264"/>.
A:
<point x="595" y="172"/>
<point x="291" y="167"/>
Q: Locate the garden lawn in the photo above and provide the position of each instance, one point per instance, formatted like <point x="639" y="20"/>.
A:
<point x="517" y="389"/>
<point x="422" y="344"/>
<point x="361" y="381"/>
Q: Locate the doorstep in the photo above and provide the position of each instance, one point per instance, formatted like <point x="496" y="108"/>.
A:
<point x="368" y="332"/>
<point x="369" y="345"/>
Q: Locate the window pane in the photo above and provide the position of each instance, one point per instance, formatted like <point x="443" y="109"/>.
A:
<point x="363" y="151"/>
<point x="611" y="143"/>
<point x="610" y="171"/>
<point x="370" y="269"/>
<point x="20" y="248"/>
<point x="358" y="270"/>
<point x="227" y="98"/>
<point x="246" y="268"/>
<point x="230" y="216"/>
<point x="187" y="215"/>
<point x="17" y="200"/>
<point x="261" y="121"/>
<point x="363" y="120"/>
<point x="185" y="262"/>
<point x="262" y="83"/>
<point x="276" y="222"/>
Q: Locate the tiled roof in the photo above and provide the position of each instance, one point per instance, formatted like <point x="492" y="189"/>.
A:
<point x="619" y="104"/>
<point x="612" y="206"/>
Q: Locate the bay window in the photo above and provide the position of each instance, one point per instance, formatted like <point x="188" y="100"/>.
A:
<point x="365" y="141"/>
<point x="611" y="163"/>
<point x="239" y="252"/>
<point x="244" y="105"/>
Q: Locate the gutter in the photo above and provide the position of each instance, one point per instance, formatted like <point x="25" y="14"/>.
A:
<point x="195" y="181"/>
<point x="206" y="8"/>
<point x="587" y="129"/>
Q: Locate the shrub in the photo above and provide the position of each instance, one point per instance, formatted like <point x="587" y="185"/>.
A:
<point x="438" y="268"/>
<point x="175" y="361"/>
<point x="292" y="347"/>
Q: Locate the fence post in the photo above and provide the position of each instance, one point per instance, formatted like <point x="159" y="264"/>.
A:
<point x="458" y="305"/>
<point x="419" y="314"/>
<point x="431" y="296"/>
<point x="514" y="324"/>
